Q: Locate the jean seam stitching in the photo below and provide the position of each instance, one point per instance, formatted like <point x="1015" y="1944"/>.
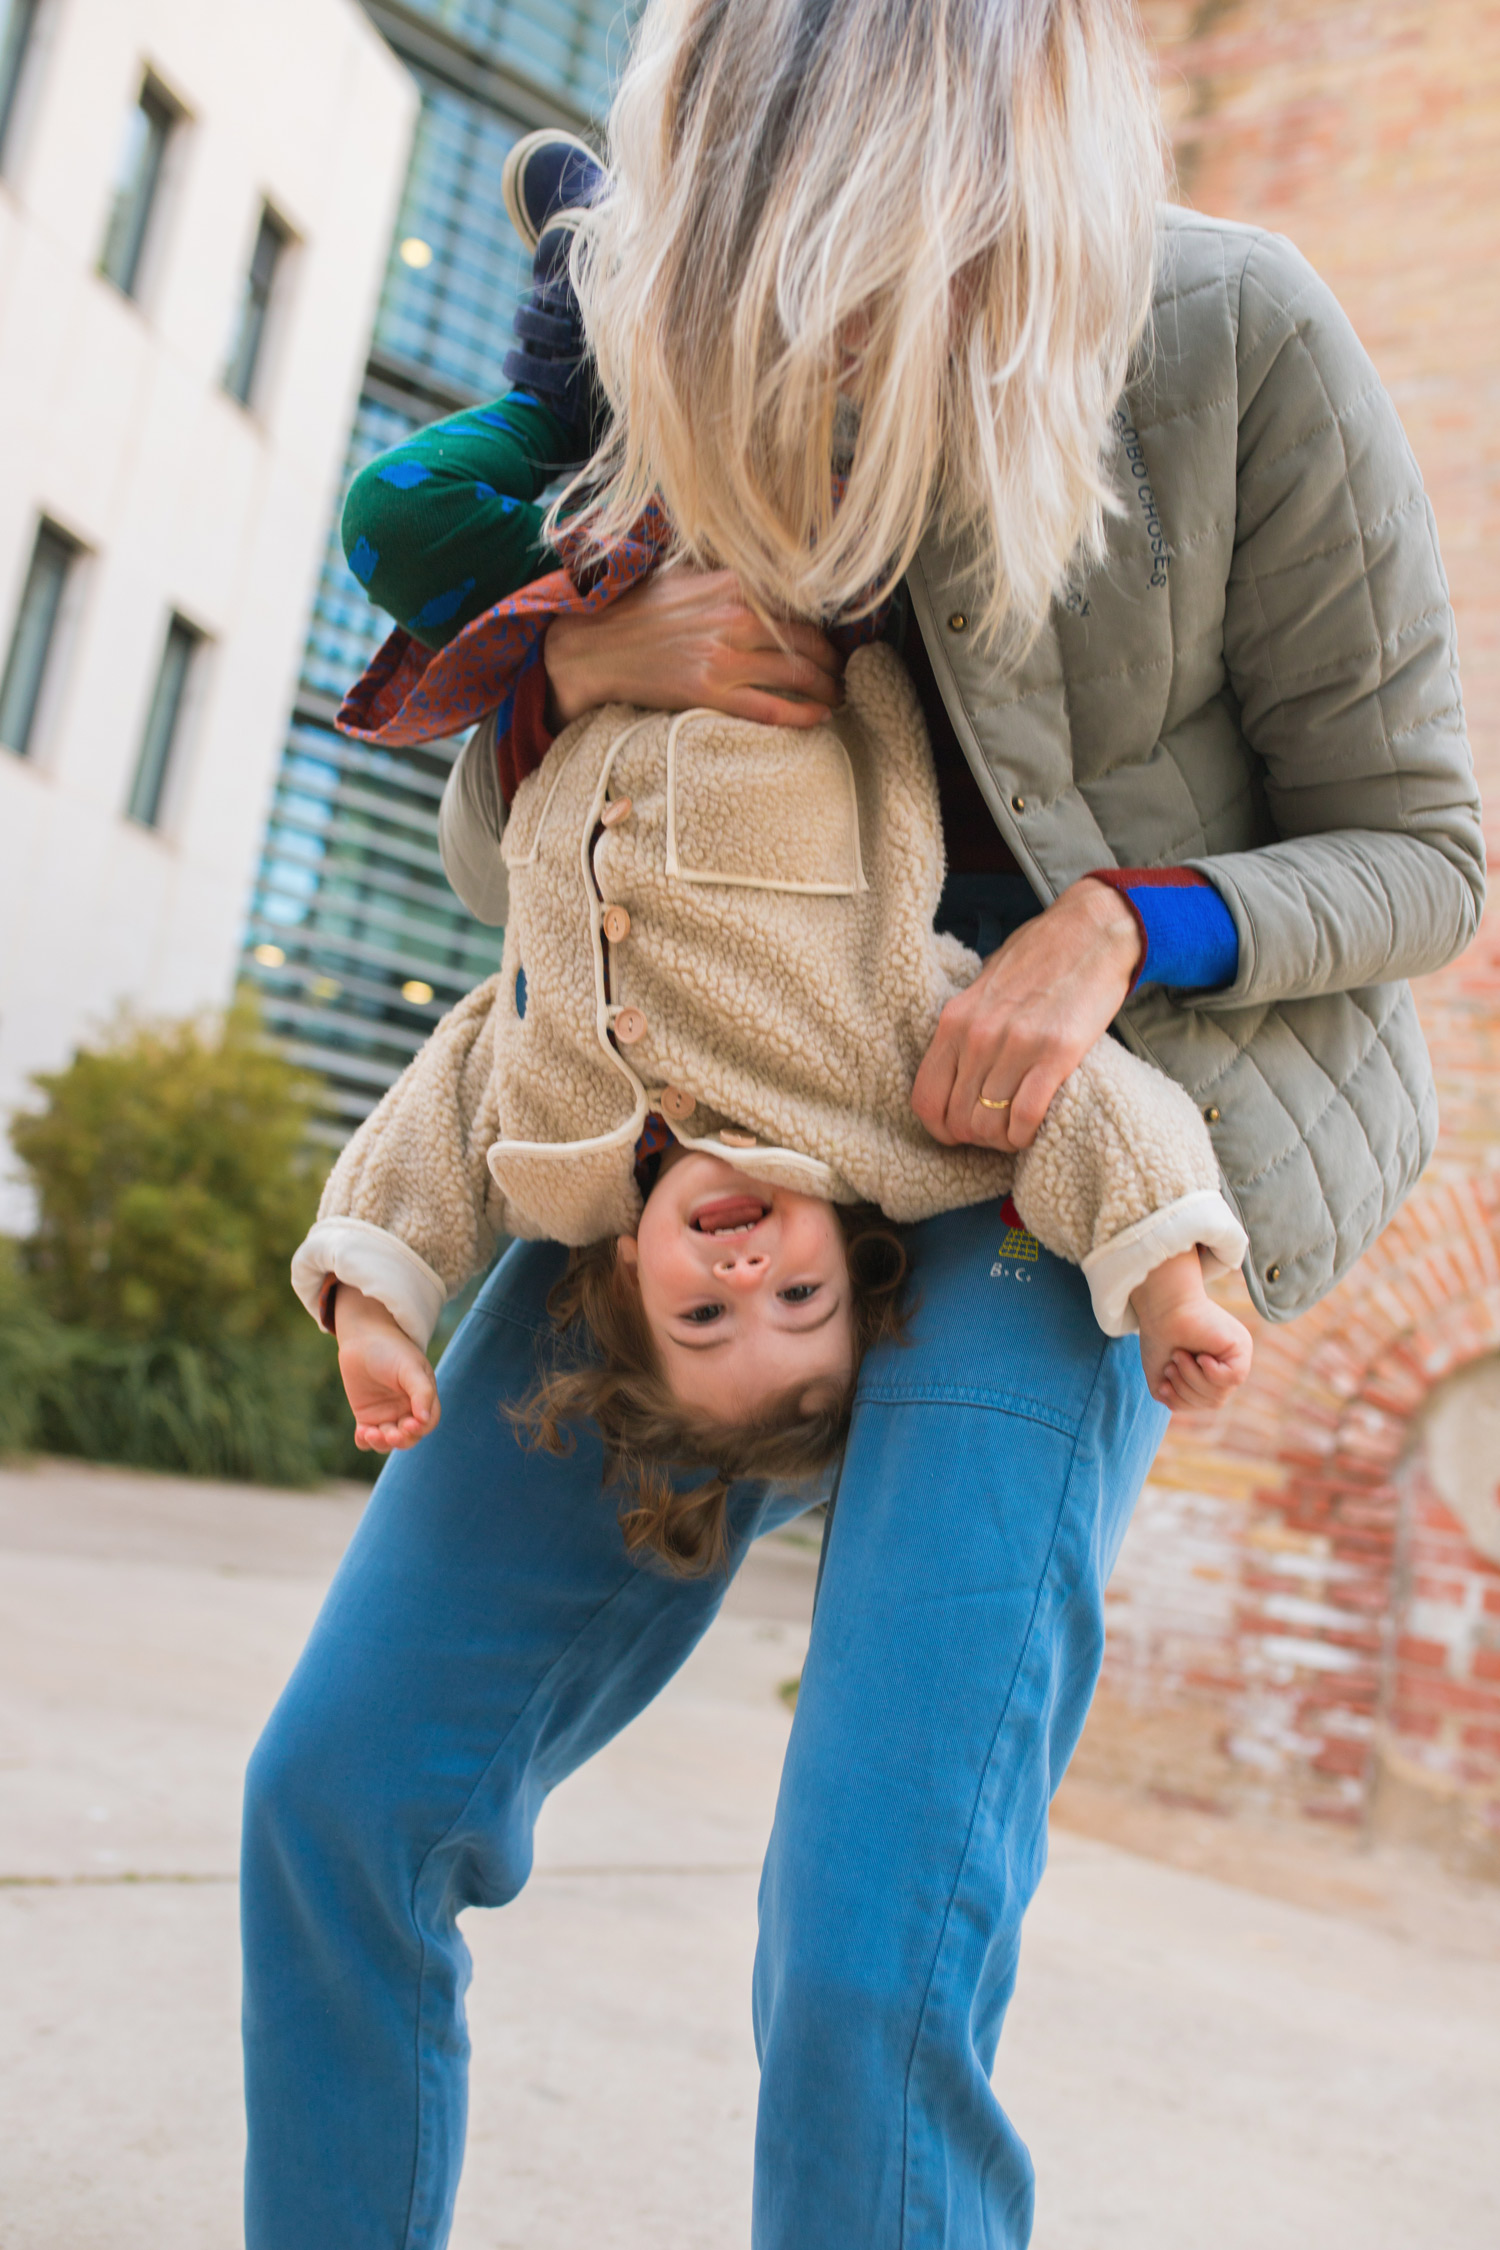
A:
<point x="988" y="1402"/>
<point x="438" y="1844"/>
<point x="498" y="1313"/>
<point x="963" y="1857"/>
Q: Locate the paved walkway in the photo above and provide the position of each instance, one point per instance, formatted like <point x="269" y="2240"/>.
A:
<point x="1194" y="2065"/>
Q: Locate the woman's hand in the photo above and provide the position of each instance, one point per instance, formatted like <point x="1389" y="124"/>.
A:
<point x="388" y="1382"/>
<point x="1027" y="1020"/>
<point x="684" y="638"/>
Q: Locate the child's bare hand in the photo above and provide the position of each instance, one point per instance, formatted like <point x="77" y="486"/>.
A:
<point x="1193" y="1352"/>
<point x="387" y="1380"/>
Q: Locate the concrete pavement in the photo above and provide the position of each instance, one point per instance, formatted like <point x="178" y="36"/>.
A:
<point x="1192" y="2063"/>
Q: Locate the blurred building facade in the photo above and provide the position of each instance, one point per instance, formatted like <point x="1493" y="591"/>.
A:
<point x="195" y="205"/>
<point x="1307" y="1610"/>
<point x="355" y="940"/>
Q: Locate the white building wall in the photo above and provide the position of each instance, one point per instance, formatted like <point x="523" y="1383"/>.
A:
<point x="114" y="423"/>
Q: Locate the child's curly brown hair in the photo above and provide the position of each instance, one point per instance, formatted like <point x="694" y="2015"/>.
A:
<point x="675" y="1468"/>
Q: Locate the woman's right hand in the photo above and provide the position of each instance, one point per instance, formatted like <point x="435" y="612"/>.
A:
<point x="388" y="1382"/>
<point x="684" y="639"/>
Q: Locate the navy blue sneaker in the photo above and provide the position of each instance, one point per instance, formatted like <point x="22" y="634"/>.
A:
<point x="549" y="177"/>
<point x="545" y="174"/>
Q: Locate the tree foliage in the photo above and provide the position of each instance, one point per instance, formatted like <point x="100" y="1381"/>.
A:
<point x="174" y="1178"/>
<point x="150" y="1318"/>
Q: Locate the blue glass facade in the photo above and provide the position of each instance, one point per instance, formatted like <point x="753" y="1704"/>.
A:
<point x="567" y="48"/>
<point x="450" y="318"/>
<point x="355" y="940"/>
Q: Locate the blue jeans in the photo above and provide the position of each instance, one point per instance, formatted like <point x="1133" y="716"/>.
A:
<point x="486" y="1633"/>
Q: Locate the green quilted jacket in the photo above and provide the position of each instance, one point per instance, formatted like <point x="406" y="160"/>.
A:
<point x="1261" y="682"/>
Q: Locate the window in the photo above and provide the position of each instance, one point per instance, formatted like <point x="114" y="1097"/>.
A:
<point x="449" y="312"/>
<point x="17" y="22"/>
<point x="352" y="919"/>
<point x="567" y="46"/>
<point x="255" y="302"/>
<point x="146" y="135"/>
<point x="31" y="643"/>
<point x="163" y="722"/>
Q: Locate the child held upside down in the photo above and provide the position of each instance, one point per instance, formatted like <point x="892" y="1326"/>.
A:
<point x="695" y="1066"/>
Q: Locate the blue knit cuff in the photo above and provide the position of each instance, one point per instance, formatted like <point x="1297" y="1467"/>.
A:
<point x="1188" y="935"/>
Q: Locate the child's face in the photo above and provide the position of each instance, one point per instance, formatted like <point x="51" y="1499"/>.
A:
<point x="745" y="1287"/>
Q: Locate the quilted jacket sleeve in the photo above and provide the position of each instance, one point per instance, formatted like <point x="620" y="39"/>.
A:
<point x="410" y="1211"/>
<point x="1121" y="1176"/>
<point x="1340" y="644"/>
<point x="471" y="822"/>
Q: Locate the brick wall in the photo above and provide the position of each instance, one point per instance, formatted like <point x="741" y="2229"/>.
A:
<point x="1294" y="1587"/>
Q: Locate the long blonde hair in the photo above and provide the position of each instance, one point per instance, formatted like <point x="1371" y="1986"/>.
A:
<point x="939" y="214"/>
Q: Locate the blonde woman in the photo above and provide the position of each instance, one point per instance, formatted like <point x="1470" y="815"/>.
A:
<point x="1173" y="601"/>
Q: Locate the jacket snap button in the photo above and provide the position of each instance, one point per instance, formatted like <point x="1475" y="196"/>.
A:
<point x="733" y="1138"/>
<point x="957" y="621"/>
<point x="616" y="924"/>
<point x="1212" y="1113"/>
<point x="630" y="1025"/>
<point x="677" y="1103"/>
<point x="1018" y="804"/>
<point x="1273" y="1273"/>
<point x="618" y="809"/>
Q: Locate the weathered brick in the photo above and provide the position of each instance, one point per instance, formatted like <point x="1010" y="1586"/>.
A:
<point x="1423" y="1725"/>
<point x="1369" y="131"/>
<point x="1341" y="1757"/>
<point x="1429" y="1589"/>
<point x="1429" y="1655"/>
<point x="1432" y="1693"/>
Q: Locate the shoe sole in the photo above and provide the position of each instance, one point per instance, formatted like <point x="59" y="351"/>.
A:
<point x="513" y="177"/>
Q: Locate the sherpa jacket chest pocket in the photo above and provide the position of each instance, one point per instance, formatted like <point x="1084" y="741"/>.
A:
<point x="713" y="799"/>
<point x="761" y="808"/>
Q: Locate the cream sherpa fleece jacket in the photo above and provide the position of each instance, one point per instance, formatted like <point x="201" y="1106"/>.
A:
<point x="733" y="925"/>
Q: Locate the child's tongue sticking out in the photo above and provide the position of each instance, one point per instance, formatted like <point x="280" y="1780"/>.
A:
<point x="745" y="1288"/>
<point x="729" y="1214"/>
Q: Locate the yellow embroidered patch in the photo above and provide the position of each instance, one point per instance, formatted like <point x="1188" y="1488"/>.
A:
<point x="1017" y="1243"/>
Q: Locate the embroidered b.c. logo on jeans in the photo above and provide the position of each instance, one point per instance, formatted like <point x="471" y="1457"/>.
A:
<point x="1019" y="1247"/>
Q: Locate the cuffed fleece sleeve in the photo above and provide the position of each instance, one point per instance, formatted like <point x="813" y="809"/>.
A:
<point x="410" y="1211"/>
<point x="378" y="1264"/>
<point x="1121" y="1177"/>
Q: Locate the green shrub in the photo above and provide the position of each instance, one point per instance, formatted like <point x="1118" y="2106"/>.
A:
<point x="150" y="1319"/>
<point x="32" y="1348"/>
<point x="174" y="1178"/>
<point x="256" y="1409"/>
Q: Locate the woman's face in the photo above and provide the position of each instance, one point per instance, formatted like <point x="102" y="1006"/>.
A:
<point x="745" y="1288"/>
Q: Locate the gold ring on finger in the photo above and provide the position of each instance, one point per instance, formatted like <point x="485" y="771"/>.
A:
<point x="986" y="1103"/>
